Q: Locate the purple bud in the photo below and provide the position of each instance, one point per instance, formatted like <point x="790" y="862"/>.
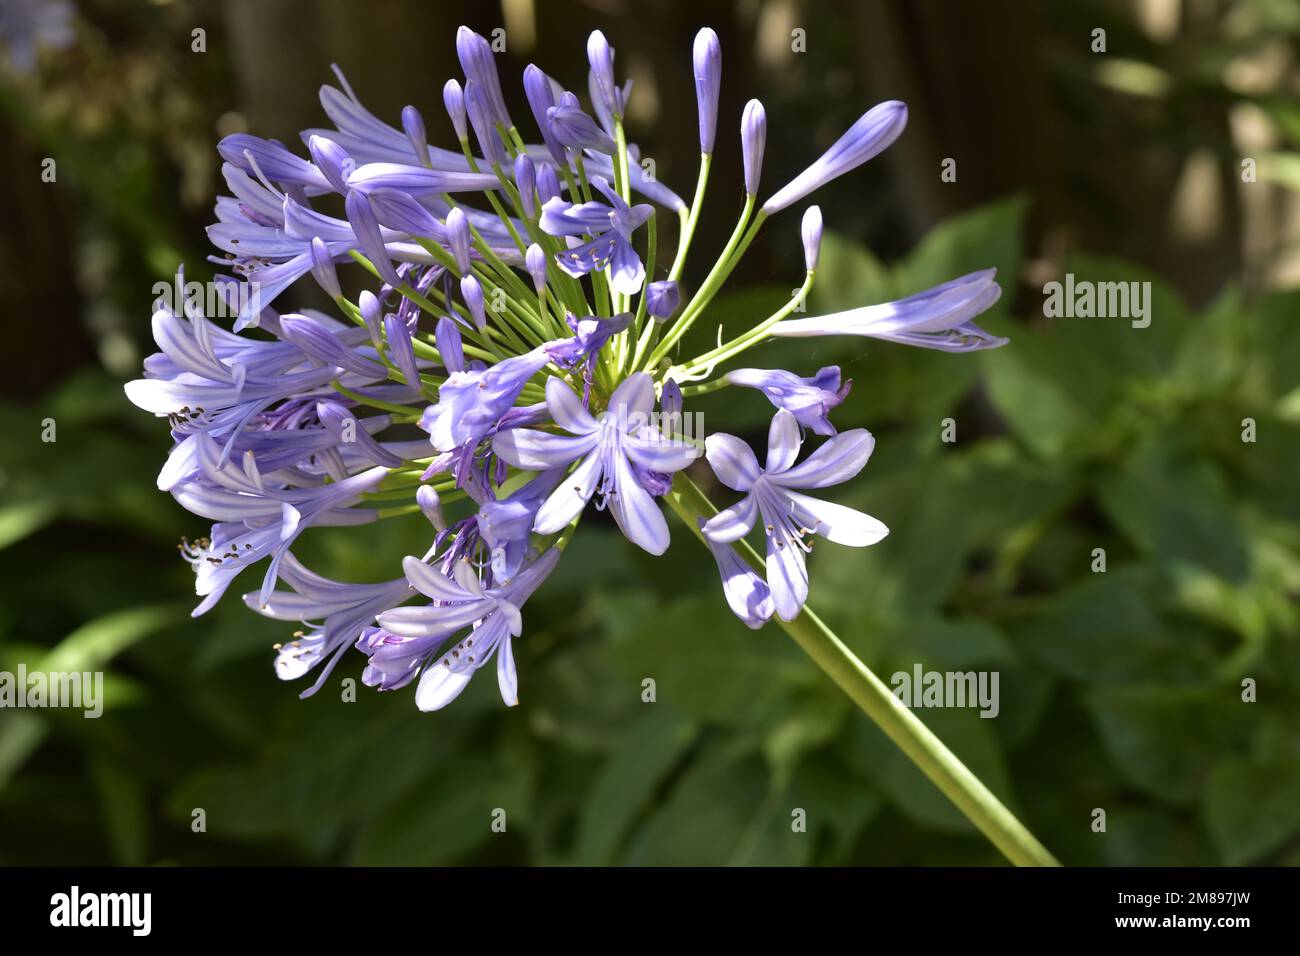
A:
<point x="472" y="292"/>
<point x="322" y="268"/>
<point x="526" y="181"/>
<point x="476" y="59"/>
<point x="662" y="298"/>
<point x="753" y="139"/>
<point x="450" y="351"/>
<point x="670" y="402"/>
<point x="540" y="90"/>
<point x="476" y="104"/>
<point x="332" y="160"/>
<point x="371" y="313"/>
<point x="401" y="349"/>
<point x="458" y="238"/>
<point x="708" y="81"/>
<point x="870" y="135"/>
<point x="535" y="261"/>
<point x="413" y="123"/>
<point x="399" y="210"/>
<point x="601" y="57"/>
<point x="548" y="184"/>
<point x="811" y="231"/>
<point x="366" y="228"/>
<point x="572" y="127"/>
<point x="431" y="507"/>
<point x="453" y="97"/>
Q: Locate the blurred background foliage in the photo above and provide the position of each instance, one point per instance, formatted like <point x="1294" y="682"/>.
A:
<point x="1120" y="690"/>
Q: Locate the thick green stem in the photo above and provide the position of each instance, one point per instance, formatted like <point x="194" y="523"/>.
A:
<point x="903" y="727"/>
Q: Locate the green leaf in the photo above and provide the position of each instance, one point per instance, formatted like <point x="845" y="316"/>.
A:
<point x="1105" y="629"/>
<point x="724" y="812"/>
<point x="1164" y="740"/>
<point x="94" y="644"/>
<point x="24" y="518"/>
<point x="706" y="664"/>
<point x="1176" y="509"/>
<point x="626" y="784"/>
<point x="1252" y="809"/>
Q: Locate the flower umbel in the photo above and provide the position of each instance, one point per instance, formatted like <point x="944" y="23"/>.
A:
<point x="502" y="370"/>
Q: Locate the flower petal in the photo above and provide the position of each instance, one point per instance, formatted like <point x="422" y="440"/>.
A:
<point x="837" y="523"/>
<point x="537" y="450"/>
<point x="838" y="460"/>
<point x="566" y="408"/>
<point x="787" y="576"/>
<point x="651" y="449"/>
<point x="635" y="511"/>
<point x="507" y="676"/>
<point x="732" y="460"/>
<point x="440" y="685"/>
<point x="746" y="592"/>
<point x="567" y="501"/>
<point x="732" y="523"/>
<point x="783" y="442"/>
<point x="634" y="399"/>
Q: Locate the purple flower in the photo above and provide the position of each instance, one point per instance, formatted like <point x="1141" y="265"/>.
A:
<point x="601" y="57"/>
<point x="471" y="291"/>
<point x="938" y="318"/>
<point x="708" y="81"/>
<point x="472" y="400"/>
<point x="612" y="225"/>
<point x="322" y="269"/>
<point x="506" y="525"/>
<point x="535" y="263"/>
<point x="476" y="59"/>
<point x="607" y="448"/>
<point x="572" y="127"/>
<point x="589" y="335"/>
<point x="811" y="233"/>
<point x="526" y="182"/>
<point x="871" y="134"/>
<point x="480" y="117"/>
<point x="453" y="98"/>
<point x="662" y="298"/>
<point x="747" y="594"/>
<point x="413" y="126"/>
<point x="412" y="636"/>
<point x="810" y="400"/>
<point x="787" y="515"/>
<point x="362" y="217"/>
<point x="344" y="609"/>
<point x="543" y="93"/>
<point x="753" y="139"/>
<point x="458" y="239"/>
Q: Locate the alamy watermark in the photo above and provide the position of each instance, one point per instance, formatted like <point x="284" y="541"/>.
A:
<point x="80" y="690"/>
<point x="1083" y="299"/>
<point x="934" y="689"/>
<point x="221" y="299"/>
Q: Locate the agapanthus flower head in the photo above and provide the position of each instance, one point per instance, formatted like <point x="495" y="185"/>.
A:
<point x="517" y="326"/>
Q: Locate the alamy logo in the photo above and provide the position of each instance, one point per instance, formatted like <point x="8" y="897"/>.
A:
<point x="82" y="690"/>
<point x="1101" y="300"/>
<point x="933" y="689"/>
<point x="103" y="909"/>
